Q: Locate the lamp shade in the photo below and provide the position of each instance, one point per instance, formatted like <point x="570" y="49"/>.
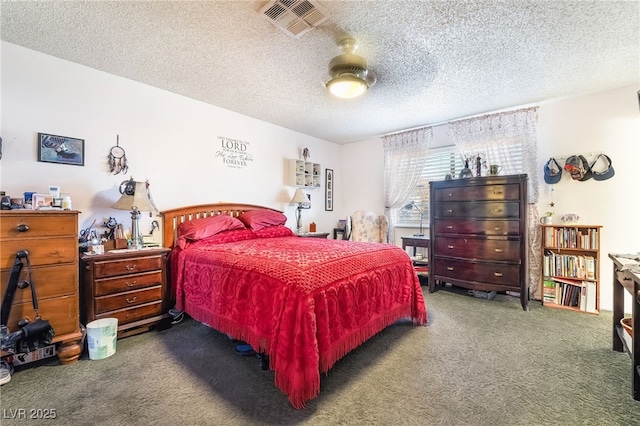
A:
<point x="138" y="201"/>
<point x="299" y="197"/>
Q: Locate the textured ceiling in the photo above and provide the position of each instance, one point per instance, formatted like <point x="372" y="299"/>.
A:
<point x="435" y="60"/>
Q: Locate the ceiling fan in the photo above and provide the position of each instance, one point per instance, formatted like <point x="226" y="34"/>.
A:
<point x="350" y="76"/>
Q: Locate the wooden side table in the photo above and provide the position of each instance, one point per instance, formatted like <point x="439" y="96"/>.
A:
<point x="314" y="235"/>
<point x="415" y="242"/>
<point x="130" y="285"/>
<point x="421" y="265"/>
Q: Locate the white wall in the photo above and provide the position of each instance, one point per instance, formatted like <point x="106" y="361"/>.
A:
<point x="606" y="122"/>
<point x="172" y="140"/>
<point x="169" y="139"/>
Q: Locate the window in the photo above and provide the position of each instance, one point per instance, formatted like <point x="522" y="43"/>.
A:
<point x="439" y="162"/>
<point x="447" y="160"/>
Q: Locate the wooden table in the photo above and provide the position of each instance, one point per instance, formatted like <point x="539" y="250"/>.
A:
<point x="627" y="281"/>
<point x="415" y="242"/>
<point x="421" y="265"/>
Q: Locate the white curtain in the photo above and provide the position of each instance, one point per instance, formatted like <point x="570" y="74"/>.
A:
<point x="405" y="154"/>
<point x="508" y="139"/>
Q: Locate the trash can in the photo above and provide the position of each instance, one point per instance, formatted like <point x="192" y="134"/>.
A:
<point x="101" y="337"/>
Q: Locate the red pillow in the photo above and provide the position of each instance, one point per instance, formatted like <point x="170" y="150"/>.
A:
<point x="198" y="229"/>
<point x="261" y="218"/>
<point x="274" y="231"/>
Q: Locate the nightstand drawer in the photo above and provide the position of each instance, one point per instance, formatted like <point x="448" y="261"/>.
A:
<point x="135" y="313"/>
<point x="130" y="298"/>
<point x="127" y="266"/>
<point x="50" y="282"/>
<point x="107" y="286"/>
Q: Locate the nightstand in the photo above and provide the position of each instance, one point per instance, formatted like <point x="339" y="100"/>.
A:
<point x="130" y="285"/>
<point x="314" y="235"/>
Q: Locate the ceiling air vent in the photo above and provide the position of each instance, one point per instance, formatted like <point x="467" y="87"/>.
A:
<point x="294" y="17"/>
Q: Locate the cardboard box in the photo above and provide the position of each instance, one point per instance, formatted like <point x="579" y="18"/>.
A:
<point x="36" y="355"/>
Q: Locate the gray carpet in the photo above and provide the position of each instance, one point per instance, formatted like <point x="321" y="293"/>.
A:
<point x="479" y="362"/>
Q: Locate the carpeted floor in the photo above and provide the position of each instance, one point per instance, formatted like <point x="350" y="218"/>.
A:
<point x="478" y="362"/>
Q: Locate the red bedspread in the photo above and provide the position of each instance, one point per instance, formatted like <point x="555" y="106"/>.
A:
<point x="305" y="302"/>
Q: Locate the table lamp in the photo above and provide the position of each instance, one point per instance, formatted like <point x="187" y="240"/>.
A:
<point x="409" y="207"/>
<point x="136" y="198"/>
<point x="300" y="199"/>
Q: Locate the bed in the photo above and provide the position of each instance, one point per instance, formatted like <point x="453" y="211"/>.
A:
<point x="303" y="302"/>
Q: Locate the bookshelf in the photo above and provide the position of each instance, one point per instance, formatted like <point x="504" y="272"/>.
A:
<point x="571" y="267"/>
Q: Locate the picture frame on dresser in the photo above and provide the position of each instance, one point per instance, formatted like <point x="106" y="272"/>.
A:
<point x="60" y="149"/>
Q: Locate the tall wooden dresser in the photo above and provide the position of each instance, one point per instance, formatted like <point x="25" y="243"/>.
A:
<point x="51" y="239"/>
<point x="479" y="234"/>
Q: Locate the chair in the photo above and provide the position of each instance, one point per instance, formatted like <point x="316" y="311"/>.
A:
<point x="367" y="226"/>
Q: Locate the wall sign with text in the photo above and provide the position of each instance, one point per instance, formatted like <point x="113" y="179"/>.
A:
<point x="234" y="153"/>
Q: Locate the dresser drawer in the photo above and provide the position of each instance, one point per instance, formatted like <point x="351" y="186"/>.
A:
<point x="107" y="286"/>
<point x="127" y="266"/>
<point x="42" y="251"/>
<point x="50" y="282"/>
<point x="125" y="300"/>
<point x="478" y="192"/>
<point x="481" y="210"/>
<point x="61" y="312"/>
<point x="484" y="249"/>
<point x="477" y="227"/>
<point x="507" y="275"/>
<point x="37" y="224"/>
<point x="134" y="314"/>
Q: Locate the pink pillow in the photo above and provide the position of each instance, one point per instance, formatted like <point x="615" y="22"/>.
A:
<point x="261" y="218"/>
<point x="198" y="229"/>
<point x="274" y="231"/>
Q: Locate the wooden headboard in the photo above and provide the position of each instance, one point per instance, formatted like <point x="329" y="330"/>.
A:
<point x="174" y="217"/>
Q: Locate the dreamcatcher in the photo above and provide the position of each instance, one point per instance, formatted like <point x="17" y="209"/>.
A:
<point x="117" y="159"/>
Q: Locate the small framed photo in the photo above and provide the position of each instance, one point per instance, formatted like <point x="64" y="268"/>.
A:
<point x="328" y="190"/>
<point x="60" y="149"/>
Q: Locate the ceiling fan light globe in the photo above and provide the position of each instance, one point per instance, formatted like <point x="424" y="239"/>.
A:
<point x="347" y="86"/>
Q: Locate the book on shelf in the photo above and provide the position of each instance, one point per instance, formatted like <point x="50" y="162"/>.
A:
<point x="590" y="305"/>
<point x="549" y="291"/>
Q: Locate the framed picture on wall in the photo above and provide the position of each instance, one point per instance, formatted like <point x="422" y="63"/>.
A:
<point x="60" y="149"/>
<point x="328" y="190"/>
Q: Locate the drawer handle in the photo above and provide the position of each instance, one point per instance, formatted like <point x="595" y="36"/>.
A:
<point x="450" y="194"/>
<point x="22" y="227"/>
<point x="450" y="211"/>
<point x="497" y="192"/>
<point x="450" y="247"/>
<point x="128" y="284"/>
<point x="497" y="228"/>
<point x="449" y="226"/>
<point x="449" y="268"/>
<point x="498" y="250"/>
<point x="130" y="267"/>
<point x="131" y="300"/>
<point x="497" y="211"/>
<point x="497" y="274"/>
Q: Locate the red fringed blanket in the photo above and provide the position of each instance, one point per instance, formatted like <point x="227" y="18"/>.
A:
<point x="305" y="302"/>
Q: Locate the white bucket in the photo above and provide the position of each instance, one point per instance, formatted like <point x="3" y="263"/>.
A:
<point x="101" y="337"/>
